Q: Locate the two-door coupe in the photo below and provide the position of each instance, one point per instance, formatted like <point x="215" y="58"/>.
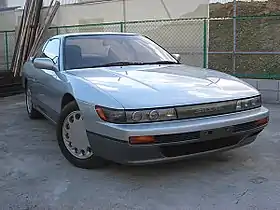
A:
<point x="121" y="97"/>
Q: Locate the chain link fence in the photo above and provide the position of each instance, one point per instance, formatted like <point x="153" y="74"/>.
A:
<point x="244" y="38"/>
<point x="7" y="44"/>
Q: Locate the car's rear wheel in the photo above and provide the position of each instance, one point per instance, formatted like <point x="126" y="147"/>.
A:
<point x="73" y="141"/>
<point x="31" y="111"/>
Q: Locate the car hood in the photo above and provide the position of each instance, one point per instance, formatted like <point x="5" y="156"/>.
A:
<point x="165" y="85"/>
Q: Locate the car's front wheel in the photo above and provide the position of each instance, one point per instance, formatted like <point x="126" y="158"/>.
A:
<point x="73" y="141"/>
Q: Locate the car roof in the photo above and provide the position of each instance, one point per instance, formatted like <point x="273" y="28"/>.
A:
<point x="93" y="33"/>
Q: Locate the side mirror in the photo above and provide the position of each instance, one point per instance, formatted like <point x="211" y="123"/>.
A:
<point x="177" y="57"/>
<point x="44" y="63"/>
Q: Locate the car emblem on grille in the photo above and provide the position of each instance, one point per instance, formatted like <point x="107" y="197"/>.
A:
<point x="208" y="109"/>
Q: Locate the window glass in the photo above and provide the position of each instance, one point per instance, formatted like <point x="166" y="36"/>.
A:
<point x="85" y="51"/>
<point x="52" y="50"/>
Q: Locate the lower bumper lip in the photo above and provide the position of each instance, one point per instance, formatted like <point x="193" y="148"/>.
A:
<point x="124" y="153"/>
<point x="245" y="141"/>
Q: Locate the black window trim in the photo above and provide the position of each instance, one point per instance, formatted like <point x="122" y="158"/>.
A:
<point x="58" y="57"/>
<point x="39" y="51"/>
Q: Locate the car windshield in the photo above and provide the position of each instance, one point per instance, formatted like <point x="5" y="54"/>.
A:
<point x="89" y="51"/>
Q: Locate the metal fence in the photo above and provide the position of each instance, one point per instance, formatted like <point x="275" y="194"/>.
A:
<point x="244" y="38"/>
<point x="7" y="44"/>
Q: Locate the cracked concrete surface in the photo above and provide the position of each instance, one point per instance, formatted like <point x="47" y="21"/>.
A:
<point x="34" y="174"/>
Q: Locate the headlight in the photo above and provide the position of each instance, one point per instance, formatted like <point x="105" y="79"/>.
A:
<point x="111" y="115"/>
<point x="135" y="116"/>
<point x="151" y="115"/>
<point x="249" y="103"/>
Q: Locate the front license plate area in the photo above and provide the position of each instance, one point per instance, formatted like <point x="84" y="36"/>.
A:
<point x="216" y="133"/>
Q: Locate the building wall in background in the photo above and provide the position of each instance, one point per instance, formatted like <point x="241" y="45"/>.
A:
<point x="7" y="20"/>
<point x="115" y="10"/>
<point x="172" y="5"/>
<point x="270" y="89"/>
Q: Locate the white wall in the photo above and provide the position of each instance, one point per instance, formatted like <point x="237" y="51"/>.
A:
<point x="135" y="10"/>
<point x="175" y="7"/>
<point x="7" y="20"/>
<point x="114" y="11"/>
<point x="270" y="89"/>
<point x="15" y="3"/>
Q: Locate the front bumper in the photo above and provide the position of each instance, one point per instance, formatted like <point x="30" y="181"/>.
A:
<point x="124" y="131"/>
<point x="182" y="144"/>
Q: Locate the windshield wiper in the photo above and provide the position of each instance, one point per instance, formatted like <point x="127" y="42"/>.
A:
<point x="162" y="62"/>
<point x="121" y="63"/>
<point x="126" y="63"/>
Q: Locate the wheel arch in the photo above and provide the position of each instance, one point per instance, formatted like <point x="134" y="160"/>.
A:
<point x="24" y="83"/>
<point x="66" y="99"/>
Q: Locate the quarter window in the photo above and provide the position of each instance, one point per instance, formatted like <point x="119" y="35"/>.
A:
<point x="52" y="50"/>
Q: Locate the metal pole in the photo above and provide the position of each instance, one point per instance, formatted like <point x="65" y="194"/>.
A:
<point x="121" y="25"/>
<point x="124" y="16"/>
<point x="166" y="9"/>
<point x="205" y="44"/>
<point x="234" y="36"/>
<point x="245" y="53"/>
<point x="7" y="50"/>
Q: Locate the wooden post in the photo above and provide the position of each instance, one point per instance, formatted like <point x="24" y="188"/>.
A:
<point x="44" y="28"/>
<point x="20" y="58"/>
<point x="18" y="35"/>
<point x="30" y="32"/>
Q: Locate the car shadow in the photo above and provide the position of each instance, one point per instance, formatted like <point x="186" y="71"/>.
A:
<point x="191" y="165"/>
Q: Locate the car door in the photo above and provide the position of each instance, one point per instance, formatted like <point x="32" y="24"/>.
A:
<point x="33" y="75"/>
<point x="50" y="82"/>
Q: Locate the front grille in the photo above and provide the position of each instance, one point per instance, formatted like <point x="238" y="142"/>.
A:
<point x="198" y="147"/>
<point x="210" y="109"/>
<point x="173" y="138"/>
<point x="205" y="110"/>
<point x="177" y="137"/>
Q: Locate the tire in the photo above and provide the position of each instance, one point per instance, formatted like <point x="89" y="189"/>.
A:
<point x="31" y="111"/>
<point x="91" y="162"/>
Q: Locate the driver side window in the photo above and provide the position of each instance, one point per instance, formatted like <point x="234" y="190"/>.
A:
<point x="52" y="50"/>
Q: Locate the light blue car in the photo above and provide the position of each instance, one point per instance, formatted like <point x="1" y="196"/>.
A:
<point x="121" y="97"/>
